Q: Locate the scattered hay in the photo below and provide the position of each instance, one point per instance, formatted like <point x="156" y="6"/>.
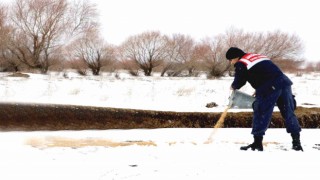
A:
<point x="50" y="142"/>
<point x="219" y="124"/>
<point x="172" y="143"/>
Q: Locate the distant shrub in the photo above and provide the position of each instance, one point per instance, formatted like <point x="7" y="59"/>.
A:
<point x="134" y="72"/>
<point x="82" y="72"/>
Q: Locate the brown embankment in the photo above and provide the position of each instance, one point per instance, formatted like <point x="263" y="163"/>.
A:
<point x="30" y="117"/>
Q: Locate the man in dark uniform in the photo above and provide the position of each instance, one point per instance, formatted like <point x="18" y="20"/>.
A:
<point x="272" y="87"/>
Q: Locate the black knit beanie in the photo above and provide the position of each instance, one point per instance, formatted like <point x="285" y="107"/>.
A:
<point x="234" y="52"/>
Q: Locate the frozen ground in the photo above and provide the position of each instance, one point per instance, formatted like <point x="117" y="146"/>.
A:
<point x="150" y="153"/>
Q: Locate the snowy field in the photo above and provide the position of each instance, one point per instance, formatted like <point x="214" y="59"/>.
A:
<point x="173" y="153"/>
<point x="153" y="93"/>
<point x="156" y="154"/>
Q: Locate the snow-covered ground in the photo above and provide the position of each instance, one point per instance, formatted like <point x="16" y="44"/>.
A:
<point x="124" y="91"/>
<point x="173" y="153"/>
<point x="156" y="154"/>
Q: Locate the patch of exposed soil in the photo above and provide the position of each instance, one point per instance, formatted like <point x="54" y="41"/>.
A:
<point x="30" y="117"/>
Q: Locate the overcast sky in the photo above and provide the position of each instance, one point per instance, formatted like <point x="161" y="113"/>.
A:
<point x="202" y="18"/>
<point x="206" y="18"/>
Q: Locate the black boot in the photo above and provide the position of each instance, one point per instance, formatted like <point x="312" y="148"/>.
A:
<point x="256" y="145"/>
<point x="296" y="144"/>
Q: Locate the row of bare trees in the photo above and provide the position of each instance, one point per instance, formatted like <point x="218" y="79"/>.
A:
<point x="42" y="34"/>
<point x="179" y="52"/>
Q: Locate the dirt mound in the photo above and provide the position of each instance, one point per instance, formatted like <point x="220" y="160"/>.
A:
<point x="29" y="117"/>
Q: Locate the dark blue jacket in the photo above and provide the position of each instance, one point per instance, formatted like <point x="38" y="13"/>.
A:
<point x="264" y="77"/>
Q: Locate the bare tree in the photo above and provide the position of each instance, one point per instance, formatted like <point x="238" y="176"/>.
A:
<point x="3" y="29"/>
<point x="89" y="49"/>
<point x="212" y="53"/>
<point x="7" y="61"/>
<point x="3" y="32"/>
<point x="279" y="45"/>
<point x="146" y="49"/>
<point x="282" y="48"/>
<point x="94" y="52"/>
<point x="42" y="27"/>
<point x="179" y="55"/>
